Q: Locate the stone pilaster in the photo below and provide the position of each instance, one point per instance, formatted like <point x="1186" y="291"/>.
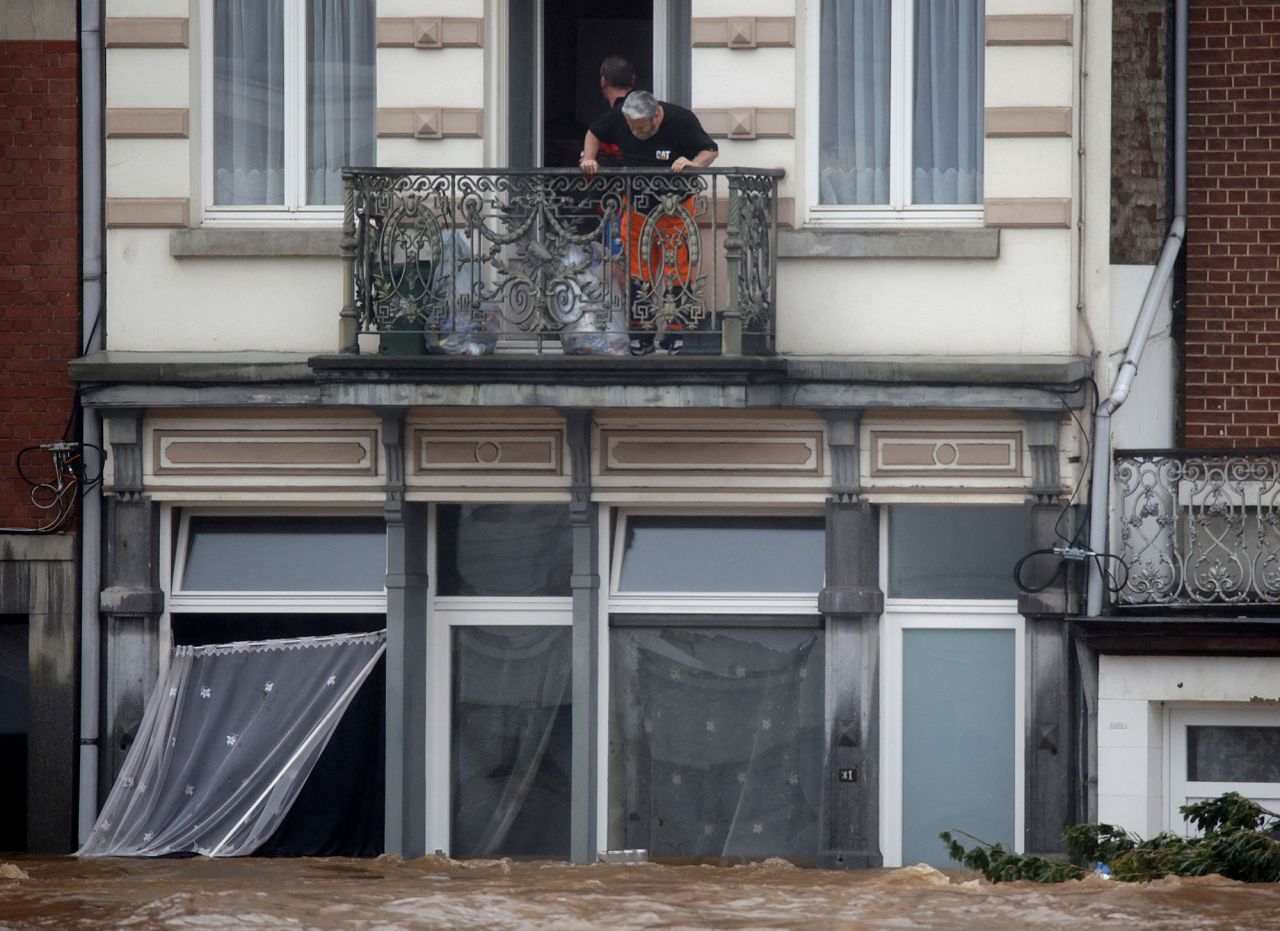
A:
<point x="851" y="604"/>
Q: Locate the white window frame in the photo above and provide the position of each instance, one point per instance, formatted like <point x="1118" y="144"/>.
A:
<point x="444" y="614"/>
<point x="902" y="615"/>
<point x="182" y="600"/>
<point x="295" y="210"/>
<point x="939" y="614"/>
<point x="899" y="211"/>
<point x="1177" y="716"/>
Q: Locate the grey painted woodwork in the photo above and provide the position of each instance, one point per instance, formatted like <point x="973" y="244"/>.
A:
<point x="851" y="604"/>
<point x="585" y="586"/>
<point x="1051" y="766"/>
<point x="405" y="810"/>
<point x="38" y="581"/>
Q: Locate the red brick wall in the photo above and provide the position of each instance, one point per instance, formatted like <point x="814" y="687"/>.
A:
<point x="1232" y="340"/>
<point x="39" y="255"/>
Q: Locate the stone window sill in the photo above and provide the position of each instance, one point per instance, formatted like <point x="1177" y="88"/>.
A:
<point x="972" y="243"/>
<point x="243" y="243"/>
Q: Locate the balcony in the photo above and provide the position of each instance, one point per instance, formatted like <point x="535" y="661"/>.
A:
<point x="1199" y="528"/>
<point x="550" y="261"/>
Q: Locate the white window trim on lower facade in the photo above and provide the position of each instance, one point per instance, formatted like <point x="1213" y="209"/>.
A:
<point x="905" y="614"/>
<point x="1142" y="702"/>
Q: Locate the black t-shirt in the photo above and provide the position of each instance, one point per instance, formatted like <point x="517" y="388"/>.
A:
<point x="679" y="136"/>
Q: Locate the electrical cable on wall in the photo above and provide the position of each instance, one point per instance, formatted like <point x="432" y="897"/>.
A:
<point x="63" y="480"/>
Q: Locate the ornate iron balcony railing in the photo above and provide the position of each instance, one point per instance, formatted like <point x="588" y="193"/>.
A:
<point x="551" y="260"/>
<point x="1199" y="527"/>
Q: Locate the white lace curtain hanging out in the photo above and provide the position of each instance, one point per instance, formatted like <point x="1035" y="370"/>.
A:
<point x="228" y="738"/>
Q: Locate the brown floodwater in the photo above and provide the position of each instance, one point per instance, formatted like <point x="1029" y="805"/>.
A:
<point x="389" y="893"/>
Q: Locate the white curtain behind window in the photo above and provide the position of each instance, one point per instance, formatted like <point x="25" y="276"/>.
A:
<point x="228" y="738"/>
<point x="946" y="149"/>
<point x="340" y="93"/>
<point x="248" y="102"/>
<point x="853" y="111"/>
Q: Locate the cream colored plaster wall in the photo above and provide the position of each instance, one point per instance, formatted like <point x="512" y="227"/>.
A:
<point x="450" y="77"/>
<point x="743" y="7"/>
<point x="473" y="8"/>
<point x="159" y="303"/>
<point x="1029" y="167"/>
<point x="148" y="77"/>
<point x="1030" y="76"/>
<point x="1014" y="304"/>
<point x="148" y="167"/>
<point x="162" y="8"/>
<point x="431" y="153"/>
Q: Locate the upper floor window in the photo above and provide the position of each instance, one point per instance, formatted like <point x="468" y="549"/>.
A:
<point x="293" y="101"/>
<point x="900" y="107"/>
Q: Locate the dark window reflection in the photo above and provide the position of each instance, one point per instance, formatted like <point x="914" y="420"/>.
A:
<point x="503" y="549"/>
<point x="947" y="551"/>
<point x="723" y="554"/>
<point x="512" y="741"/>
<point x="716" y="742"/>
<point x="286" y="554"/>
<point x="1219" y="753"/>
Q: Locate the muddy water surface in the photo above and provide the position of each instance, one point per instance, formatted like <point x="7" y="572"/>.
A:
<point x="432" y="892"/>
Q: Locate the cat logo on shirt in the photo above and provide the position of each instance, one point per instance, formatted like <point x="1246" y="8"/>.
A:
<point x="663" y="155"/>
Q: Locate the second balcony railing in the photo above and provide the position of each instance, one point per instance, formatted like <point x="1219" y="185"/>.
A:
<point x="626" y="262"/>
<point x="1198" y="528"/>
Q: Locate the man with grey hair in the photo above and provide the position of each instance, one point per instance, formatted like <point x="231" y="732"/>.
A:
<point x="650" y="134"/>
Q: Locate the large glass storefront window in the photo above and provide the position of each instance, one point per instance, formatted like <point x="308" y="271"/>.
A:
<point x="716" y="683"/>
<point x="717" y="742"/>
<point x="512" y="741"/>
<point x="502" y="576"/>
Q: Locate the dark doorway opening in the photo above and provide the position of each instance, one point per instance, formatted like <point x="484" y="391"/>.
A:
<point x="339" y="811"/>
<point x="576" y="36"/>
<point x="15" y="634"/>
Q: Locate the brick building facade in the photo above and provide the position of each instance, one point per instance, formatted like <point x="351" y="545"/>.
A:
<point x="39" y="254"/>
<point x="39" y="331"/>
<point x="1232" y="323"/>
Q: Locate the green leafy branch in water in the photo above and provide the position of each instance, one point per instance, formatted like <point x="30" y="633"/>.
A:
<point x="1237" y="841"/>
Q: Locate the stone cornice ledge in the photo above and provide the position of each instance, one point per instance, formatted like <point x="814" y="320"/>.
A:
<point x="242" y="243"/>
<point x="970" y="243"/>
<point x="116" y="366"/>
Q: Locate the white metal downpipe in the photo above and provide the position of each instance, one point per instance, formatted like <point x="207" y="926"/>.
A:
<point x="1100" y="480"/>
<point x="93" y="325"/>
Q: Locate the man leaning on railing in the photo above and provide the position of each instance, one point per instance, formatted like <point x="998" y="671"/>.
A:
<point x="650" y="133"/>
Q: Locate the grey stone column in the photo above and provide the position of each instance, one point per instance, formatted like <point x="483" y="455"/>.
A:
<point x="585" y="584"/>
<point x="405" y="812"/>
<point x="851" y="604"/>
<point x="131" y="601"/>
<point x="1052" y="779"/>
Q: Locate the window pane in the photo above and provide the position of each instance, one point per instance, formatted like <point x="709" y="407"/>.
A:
<point x="504" y="549"/>
<point x="512" y="741"/>
<point x="958" y="762"/>
<point x="15" y="632"/>
<point x="717" y="742"/>
<point x="853" y="109"/>
<point x="248" y="102"/>
<point x="941" y="551"/>
<point x="286" y="554"/>
<point x="723" y="554"/>
<point x="947" y="111"/>
<point x="340" y="93"/>
<point x="1220" y="753"/>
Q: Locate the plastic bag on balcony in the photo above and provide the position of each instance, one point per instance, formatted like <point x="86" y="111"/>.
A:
<point x="462" y="333"/>
<point x="590" y="328"/>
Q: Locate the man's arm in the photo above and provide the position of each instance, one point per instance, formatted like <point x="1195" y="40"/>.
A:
<point x="701" y="160"/>
<point x="590" y="153"/>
